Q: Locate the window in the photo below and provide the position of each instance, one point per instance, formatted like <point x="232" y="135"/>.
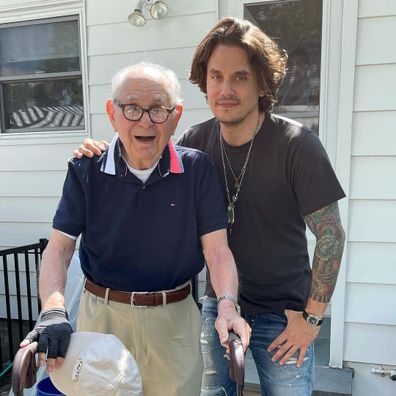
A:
<point x="40" y="76"/>
<point x="296" y="25"/>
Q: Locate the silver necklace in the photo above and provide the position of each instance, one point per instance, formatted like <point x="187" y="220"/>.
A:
<point x="238" y="180"/>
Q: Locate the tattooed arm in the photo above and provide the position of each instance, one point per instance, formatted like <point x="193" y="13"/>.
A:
<point x="325" y="224"/>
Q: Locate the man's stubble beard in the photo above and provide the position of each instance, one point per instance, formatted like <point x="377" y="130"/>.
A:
<point x="234" y="122"/>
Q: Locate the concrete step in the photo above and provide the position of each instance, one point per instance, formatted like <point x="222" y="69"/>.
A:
<point x="333" y="381"/>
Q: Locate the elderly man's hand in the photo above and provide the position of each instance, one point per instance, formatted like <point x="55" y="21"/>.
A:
<point x="52" y="332"/>
<point x="228" y="319"/>
<point x="90" y="147"/>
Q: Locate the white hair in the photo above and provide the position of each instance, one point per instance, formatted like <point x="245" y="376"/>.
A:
<point x="170" y="76"/>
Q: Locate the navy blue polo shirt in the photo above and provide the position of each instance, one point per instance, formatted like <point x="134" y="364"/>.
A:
<point x="141" y="236"/>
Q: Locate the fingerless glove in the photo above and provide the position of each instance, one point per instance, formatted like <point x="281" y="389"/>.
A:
<point x="52" y="332"/>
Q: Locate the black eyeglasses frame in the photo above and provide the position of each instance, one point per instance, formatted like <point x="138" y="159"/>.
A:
<point x="123" y="105"/>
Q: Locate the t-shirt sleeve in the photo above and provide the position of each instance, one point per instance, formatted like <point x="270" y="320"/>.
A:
<point x="211" y="213"/>
<point x="70" y="214"/>
<point x="314" y="181"/>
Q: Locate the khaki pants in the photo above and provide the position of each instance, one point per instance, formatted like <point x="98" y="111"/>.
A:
<point x="164" y="341"/>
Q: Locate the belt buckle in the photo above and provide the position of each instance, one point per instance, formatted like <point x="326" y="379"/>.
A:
<point x="138" y="306"/>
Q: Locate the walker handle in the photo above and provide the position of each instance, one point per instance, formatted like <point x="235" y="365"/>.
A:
<point x="237" y="359"/>
<point x="24" y="369"/>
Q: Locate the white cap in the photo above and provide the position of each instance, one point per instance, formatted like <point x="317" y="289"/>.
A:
<point x="97" y="364"/>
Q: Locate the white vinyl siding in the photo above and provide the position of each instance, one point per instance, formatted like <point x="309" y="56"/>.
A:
<point x="372" y="176"/>
<point x="370" y="8"/>
<point x="374" y="133"/>
<point x="372" y="262"/>
<point x="372" y="220"/>
<point x="371" y="296"/>
<point x="370" y="320"/>
<point x="379" y="340"/>
<point x="375" y="87"/>
<point x="377" y="42"/>
<point x="31" y="184"/>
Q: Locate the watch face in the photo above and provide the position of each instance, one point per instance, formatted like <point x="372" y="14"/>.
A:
<point x="312" y="320"/>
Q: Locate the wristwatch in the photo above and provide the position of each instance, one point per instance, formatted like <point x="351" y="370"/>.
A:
<point x="232" y="299"/>
<point x="312" y="319"/>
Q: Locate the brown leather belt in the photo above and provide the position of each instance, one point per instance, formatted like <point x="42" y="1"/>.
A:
<point x="139" y="299"/>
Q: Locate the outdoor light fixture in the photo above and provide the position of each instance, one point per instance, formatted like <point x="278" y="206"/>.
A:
<point x="158" y="10"/>
<point x="136" y="18"/>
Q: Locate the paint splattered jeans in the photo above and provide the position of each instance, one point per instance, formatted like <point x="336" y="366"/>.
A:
<point x="275" y="380"/>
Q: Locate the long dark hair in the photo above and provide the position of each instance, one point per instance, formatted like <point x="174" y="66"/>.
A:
<point x="265" y="56"/>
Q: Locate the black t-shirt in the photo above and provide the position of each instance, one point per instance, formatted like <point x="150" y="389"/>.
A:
<point x="288" y="177"/>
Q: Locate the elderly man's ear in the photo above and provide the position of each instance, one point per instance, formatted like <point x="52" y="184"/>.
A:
<point x="110" y="108"/>
<point x="176" y="117"/>
<point x="179" y="112"/>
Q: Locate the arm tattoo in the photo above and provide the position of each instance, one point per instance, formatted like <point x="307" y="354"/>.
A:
<point x="325" y="224"/>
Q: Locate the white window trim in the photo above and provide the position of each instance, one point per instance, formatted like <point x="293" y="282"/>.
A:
<point x="336" y="107"/>
<point x="51" y="9"/>
<point x="347" y="56"/>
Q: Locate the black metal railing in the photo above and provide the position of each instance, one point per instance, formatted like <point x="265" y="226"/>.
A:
<point x="20" y="265"/>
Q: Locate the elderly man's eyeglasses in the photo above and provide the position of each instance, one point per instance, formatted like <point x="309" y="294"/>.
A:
<point x="133" y="112"/>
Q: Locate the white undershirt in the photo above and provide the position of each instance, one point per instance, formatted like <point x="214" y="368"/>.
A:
<point x="142" y="174"/>
<point x="68" y="235"/>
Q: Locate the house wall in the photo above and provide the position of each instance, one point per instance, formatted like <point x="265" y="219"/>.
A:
<point x="370" y="319"/>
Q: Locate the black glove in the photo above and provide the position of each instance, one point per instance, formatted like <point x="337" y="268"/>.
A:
<point x="52" y="332"/>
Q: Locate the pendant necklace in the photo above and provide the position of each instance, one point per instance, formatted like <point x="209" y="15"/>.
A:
<point x="237" y="179"/>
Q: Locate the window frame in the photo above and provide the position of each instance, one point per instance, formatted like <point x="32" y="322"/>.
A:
<point x="38" y="77"/>
<point x="298" y="112"/>
<point x="35" y="13"/>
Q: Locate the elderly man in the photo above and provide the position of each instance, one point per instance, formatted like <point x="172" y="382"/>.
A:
<point x="149" y="214"/>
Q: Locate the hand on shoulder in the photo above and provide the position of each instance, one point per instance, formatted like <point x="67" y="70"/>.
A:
<point x="90" y="147"/>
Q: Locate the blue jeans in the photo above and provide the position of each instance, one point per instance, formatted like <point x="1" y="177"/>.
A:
<point x="275" y="380"/>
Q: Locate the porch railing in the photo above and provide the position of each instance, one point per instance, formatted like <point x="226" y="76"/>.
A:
<point x="19" y="306"/>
